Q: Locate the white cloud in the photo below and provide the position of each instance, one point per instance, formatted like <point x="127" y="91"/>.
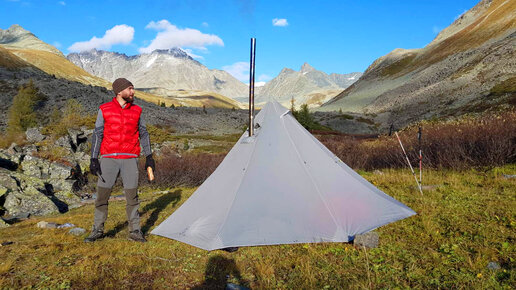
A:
<point x="170" y="36"/>
<point x="62" y="3"/>
<point x="259" y="84"/>
<point x="120" y="34"/>
<point x="240" y="70"/>
<point x="279" y="22"/>
<point x="192" y="54"/>
<point x="205" y="24"/>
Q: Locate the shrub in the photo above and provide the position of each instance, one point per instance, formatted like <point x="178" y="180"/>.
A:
<point x="186" y="170"/>
<point x="73" y="116"/>
<point x="22" y="114"/>
<point x="471" y="142"/>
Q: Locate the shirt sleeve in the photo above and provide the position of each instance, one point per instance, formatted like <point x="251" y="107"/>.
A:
<point x="144" y="137"/>
<point x="98" y="135"/>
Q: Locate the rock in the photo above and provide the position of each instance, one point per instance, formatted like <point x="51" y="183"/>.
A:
<point x="32" y="166"/>
<point x="34" y="135"/>
<point x="65" y="142"/>
<point x="76" y="136"/>
<point x="31" y="200"/>
<point x="509" y="176"/>
<point x="77" y="231"/>
<point x="16" y="218"/>
<point x="46" y="225"/>
<point x="368" y="240"/>
<point x="3" y="224"/>
<point x="378" y="172"/>
<point x="493" y="266"/>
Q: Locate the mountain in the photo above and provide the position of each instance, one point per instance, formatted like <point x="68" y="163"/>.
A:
<point x="46" y="57"/>
<point x="469" y="67"/>
<point x="307" y="85"/>
<point x="165" y="72"/>
<point x="38" y="54"/>
<point x="17" y="37"/>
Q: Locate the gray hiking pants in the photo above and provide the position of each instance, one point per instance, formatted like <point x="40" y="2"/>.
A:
<point x="128" y="169"/>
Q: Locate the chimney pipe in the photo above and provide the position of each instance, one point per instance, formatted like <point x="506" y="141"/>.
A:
<point x="251" y="88"/>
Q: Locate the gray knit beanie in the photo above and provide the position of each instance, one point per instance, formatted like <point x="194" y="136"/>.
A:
<point x="120" y="85"/>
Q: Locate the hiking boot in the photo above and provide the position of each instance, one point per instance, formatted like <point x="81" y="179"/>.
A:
<point x="137" y="236"/>
<point x="94" y="235"/>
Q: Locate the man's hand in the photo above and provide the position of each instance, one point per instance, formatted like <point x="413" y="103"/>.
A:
<point x="149" y="162"/>
<point x="95" y="167"/>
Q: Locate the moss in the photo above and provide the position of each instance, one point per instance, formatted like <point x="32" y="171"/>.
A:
<point x="507" y="86"/>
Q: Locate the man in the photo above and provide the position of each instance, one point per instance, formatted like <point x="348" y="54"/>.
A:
<point x="119" y="131"/>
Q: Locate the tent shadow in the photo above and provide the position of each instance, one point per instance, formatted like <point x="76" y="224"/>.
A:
<point x="158" y="206"/>
<point x="217" y="272"/>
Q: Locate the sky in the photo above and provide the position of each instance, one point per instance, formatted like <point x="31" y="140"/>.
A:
<point x="332" y="36"/>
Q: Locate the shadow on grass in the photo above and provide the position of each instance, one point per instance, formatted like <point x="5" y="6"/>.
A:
<point x="218" y="270"/>
<point x="157" y="206"/>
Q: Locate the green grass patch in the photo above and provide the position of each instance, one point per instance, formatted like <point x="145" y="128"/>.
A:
<point x="465" y="220"/>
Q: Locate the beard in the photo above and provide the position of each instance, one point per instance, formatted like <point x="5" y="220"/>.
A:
<point x="128" y="99"/>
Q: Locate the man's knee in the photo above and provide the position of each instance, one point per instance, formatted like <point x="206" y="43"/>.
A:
<point x="102" y="196"/>
<point x="131" y="196"/>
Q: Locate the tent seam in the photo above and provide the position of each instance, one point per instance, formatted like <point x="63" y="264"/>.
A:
<point x="311" y="178"/>
<point x="234" y="197"/>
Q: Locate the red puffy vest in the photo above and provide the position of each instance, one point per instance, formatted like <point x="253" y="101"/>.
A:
<point x="121" y="135"/>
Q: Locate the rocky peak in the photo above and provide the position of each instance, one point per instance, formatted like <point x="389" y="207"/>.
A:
<point x="175" y="52"/>
<point x="17" y="37"/>
<point x="287" y="71"/>
<point x="305" y="68"/>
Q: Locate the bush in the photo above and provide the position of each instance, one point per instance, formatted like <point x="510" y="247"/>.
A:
<point x="22" y="114"/>
<point x="187" y="170"/>
<point x="471" y="142"/>
<point x="72" y="117"/>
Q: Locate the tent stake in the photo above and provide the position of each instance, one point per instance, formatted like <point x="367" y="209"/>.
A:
<point x="410" y="165"/>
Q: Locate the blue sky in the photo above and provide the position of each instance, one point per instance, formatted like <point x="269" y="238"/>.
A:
<point x="332" y="36"/>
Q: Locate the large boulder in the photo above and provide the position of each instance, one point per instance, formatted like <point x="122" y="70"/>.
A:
<point x="31" y="200"/>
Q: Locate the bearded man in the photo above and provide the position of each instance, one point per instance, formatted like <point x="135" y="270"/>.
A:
<point x="119" y="132"/>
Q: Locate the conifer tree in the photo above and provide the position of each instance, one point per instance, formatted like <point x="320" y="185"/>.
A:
<point x="22" y="114"/>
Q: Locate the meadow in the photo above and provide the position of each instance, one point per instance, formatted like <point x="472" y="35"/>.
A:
<point x="465" y="220"/>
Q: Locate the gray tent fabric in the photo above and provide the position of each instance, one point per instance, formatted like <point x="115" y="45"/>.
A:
<point x="280" y="186"/>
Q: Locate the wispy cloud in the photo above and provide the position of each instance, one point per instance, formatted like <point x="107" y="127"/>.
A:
<point x="279" y="22"/>
<point x="57" y="44"/>
<point x="119" y="34"/>
<point x="436" y="29"/>
<point x="205" y="24"/>
<point x="170" y="36"/>
<point x="62" y="3"/>
<point x="192" y="54"/>
<point x="240" y="70"/>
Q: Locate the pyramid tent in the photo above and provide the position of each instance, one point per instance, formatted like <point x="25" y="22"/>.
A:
<point x="280" y="186"/>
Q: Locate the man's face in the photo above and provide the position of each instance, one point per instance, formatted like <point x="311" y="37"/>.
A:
<point x="128" y="94"/>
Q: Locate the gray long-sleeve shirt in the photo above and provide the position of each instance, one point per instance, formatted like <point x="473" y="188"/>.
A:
<point x="98" y="135"/>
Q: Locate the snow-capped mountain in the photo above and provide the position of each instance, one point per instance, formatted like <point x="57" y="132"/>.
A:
<point x="159" y="71"/>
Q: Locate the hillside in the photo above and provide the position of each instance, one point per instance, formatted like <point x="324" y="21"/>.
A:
<point x="469" y="67"/>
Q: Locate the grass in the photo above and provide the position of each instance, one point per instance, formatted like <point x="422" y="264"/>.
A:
<point x="464" y="222"/>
